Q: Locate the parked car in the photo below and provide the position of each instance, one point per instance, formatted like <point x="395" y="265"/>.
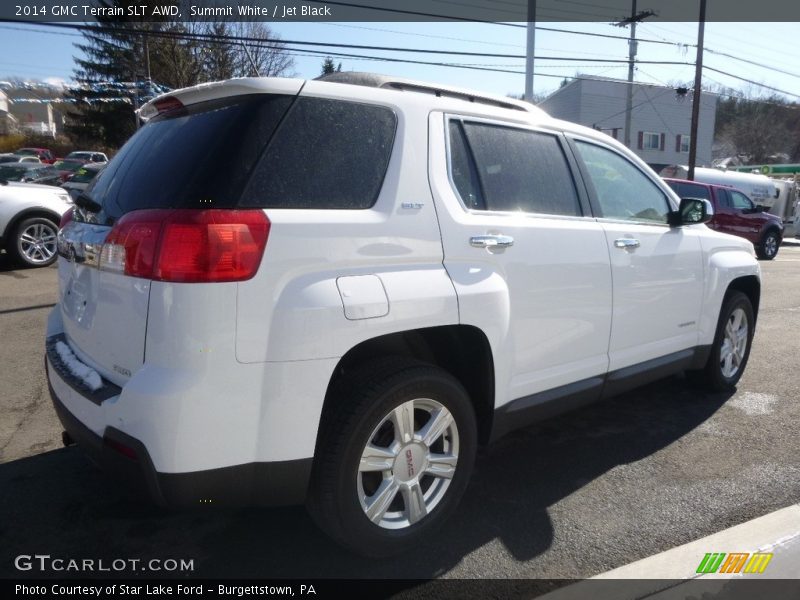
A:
<point x="30" y="173"/>
<point x="288" y="291"/>
<point x="81" y="178"/>
<point x="736" y="214"/>
<point x="44" y="154"/>
<point x="18" y="158"/>
<point x="67" y="167"/>
<point x="29" y="219"/>
<point x="759" y="188"/>
<point x="89" y="156"/>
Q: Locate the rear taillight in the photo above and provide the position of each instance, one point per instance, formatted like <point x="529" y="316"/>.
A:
<point x="188" y="246"/>
<point x="66" y="218"/>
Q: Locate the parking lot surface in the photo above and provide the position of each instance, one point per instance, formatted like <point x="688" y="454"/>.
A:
<point x="570" y="498"/>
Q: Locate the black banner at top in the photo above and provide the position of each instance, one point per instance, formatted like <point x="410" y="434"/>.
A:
<point x="602" y="11"/>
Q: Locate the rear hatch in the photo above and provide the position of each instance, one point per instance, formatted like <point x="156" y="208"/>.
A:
<point x="192" y="158"/>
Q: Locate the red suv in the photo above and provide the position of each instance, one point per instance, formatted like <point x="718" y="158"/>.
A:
<point x="735" y="213"/>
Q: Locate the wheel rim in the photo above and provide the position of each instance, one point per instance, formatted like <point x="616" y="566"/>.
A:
<point x="37" y="243"/>
<point x="408" y="464"/>
<point x="771" y="245"/>
<point x="734" y="343"/>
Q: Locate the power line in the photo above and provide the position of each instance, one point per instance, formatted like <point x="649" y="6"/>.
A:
<point x="242" y="39"/>
<point x="752" y="62"/>
<point x="768" y="87"/>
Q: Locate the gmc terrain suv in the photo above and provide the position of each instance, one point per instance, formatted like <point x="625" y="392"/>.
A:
<point x="331" y="292"/>
<point x="737" y="214"/>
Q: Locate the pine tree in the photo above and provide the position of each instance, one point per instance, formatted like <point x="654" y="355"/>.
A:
<point x="103" y="111"/>
<point x="328" y="66"/>
<point x="123" y="69"/>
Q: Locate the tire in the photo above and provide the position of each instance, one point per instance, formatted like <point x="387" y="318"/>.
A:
<point x="768" y="248"/>
<point x="728" y="359"/>
<point x="33" y="242"/>
<point x="385" y="503"/>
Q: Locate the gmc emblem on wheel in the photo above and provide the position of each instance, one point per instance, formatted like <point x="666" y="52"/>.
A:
<point x="410" y="462"/>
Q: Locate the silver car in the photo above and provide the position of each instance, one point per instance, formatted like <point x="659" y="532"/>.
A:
<point x="29" y="221"/>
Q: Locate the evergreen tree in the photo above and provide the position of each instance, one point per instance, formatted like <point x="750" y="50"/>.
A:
<point x="328" y="66"/>
<point x="103" y="111"/>
<point x="122" y="69"/>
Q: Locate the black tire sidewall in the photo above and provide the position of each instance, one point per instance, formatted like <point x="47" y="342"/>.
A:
<point x="365" y="537"/>
<point x="15" y="246"/>
<point x="763" y="251"/>
<point x="713" y="370"/>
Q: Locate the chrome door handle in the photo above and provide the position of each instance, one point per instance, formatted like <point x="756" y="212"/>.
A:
<point x="626" y="243"/>
<point x="491" y="241"/>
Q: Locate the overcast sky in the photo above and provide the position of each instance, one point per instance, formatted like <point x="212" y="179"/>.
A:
<point x="35" y="52"/>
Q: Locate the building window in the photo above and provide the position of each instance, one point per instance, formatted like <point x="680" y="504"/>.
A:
<point x="651" y="141"/>
<point x="683" y="143"/>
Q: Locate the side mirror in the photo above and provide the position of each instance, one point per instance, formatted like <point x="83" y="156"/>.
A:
<point x="761" y="208"/>
<point x="691" y="212"/>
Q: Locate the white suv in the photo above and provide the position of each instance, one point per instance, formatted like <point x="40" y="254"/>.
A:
<point x="284" y="291"/>
<point x="29" y="218"/>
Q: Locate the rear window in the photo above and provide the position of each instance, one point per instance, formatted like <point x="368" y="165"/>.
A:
<point x="690" y="190"/>
<point x="327" y="154"/>
<point x="200" y="156"/>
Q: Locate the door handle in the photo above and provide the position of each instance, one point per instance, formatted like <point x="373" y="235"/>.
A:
<point x="491" y="241"/>
<point x="626" y="243"/>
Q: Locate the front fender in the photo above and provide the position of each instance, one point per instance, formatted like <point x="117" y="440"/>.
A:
<point x="727" y="259"/>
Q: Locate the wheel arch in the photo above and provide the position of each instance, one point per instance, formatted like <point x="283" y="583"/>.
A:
<point x="28" y="213"/>
<point x="461" y="350"/>
<point x="750" y="286"/>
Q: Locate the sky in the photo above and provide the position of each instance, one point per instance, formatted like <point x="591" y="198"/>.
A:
<point x="36" y="52"/>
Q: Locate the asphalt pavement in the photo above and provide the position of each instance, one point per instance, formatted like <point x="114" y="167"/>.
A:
<point x="574" y="497"/>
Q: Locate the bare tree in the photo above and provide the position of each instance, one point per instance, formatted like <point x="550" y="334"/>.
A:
<point x="269" y="54"/>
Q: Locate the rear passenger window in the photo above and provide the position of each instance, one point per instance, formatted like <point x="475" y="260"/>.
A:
<point x="326" y="154"/>
<point x="513" y="169"/>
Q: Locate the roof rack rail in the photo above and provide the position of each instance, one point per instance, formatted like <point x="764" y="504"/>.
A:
<point x="409" y="85"/>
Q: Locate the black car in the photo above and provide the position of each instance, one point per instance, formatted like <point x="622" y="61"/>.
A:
<point x="30" y="173"/>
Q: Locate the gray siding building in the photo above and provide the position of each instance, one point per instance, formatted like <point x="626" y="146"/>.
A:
<point x="660" y="119"/>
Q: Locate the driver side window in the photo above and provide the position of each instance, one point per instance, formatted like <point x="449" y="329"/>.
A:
<point x="739" y="201"/>
<point x="621" y="189"/>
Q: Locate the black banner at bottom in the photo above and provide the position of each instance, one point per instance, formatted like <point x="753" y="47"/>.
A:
<point x="545" y="589"/>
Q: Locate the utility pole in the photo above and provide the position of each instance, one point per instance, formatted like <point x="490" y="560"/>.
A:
<point x="632" y="48"/>
<point x="530" y="50"/>
<point x="698" y="83"/>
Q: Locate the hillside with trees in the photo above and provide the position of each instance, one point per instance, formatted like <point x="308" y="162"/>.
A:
<point x="756" y="128"/>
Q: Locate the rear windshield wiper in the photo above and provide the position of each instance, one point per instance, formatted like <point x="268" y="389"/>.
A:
<point x="86" y="203"/>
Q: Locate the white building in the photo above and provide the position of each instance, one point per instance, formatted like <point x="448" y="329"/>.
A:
<point x="8" y="123"/>
<point x="660" y="119"/>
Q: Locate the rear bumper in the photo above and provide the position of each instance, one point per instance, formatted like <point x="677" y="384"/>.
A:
<point x="125" y="457"/>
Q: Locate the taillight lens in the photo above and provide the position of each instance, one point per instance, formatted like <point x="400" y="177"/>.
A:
<point x="66" y="218"/>
<point x="189" y="246"/>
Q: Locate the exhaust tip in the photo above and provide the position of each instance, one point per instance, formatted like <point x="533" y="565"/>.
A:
<point x="66" y="439"/>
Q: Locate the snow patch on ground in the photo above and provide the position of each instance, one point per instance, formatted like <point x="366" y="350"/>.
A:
<point x="88" y="375"/>
<point x="754" y="403"/>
